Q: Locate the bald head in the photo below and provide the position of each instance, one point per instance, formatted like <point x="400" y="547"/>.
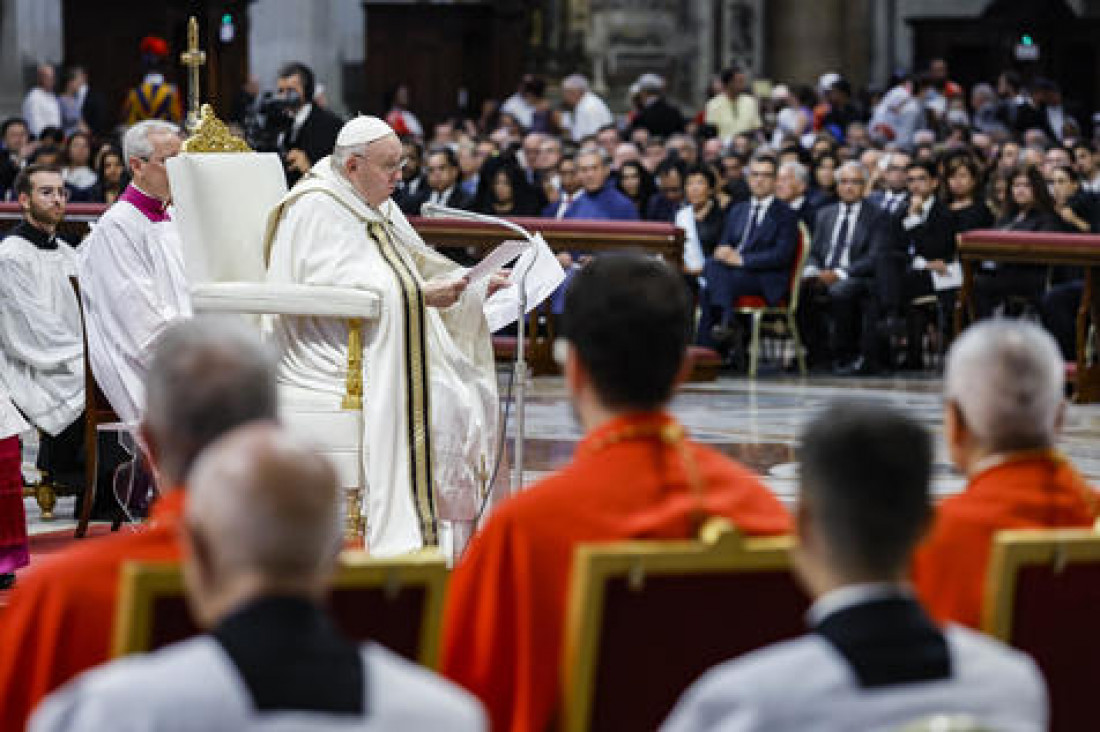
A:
<point x="206" y="377"/>
<point x="265" y="504"/>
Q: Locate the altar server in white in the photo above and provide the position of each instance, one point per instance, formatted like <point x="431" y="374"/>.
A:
<point x="430" y="400"/>
<point x="41" y="351"/>
<point x="131" y="270"/>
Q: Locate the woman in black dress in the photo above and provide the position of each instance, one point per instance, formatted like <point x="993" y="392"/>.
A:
<point x="1029" y="207"/>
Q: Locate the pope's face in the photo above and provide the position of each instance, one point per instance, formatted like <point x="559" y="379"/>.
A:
<point x="376" y="175"/>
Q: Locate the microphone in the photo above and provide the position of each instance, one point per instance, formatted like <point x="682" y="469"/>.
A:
<point x="439" y="211"/>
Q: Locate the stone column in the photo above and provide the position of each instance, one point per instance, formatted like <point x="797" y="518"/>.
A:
<point x="30" y="33"/>
<point x="807" y="38"/>
<point x="325" y="35"/>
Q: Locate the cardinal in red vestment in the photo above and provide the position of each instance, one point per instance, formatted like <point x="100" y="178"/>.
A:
<point x="204" y="379"/>
<point x="1004" y="406"/>
<point x="634" y="475"/>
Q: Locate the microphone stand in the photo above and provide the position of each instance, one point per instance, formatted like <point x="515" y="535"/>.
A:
<point x="434" y="210"/>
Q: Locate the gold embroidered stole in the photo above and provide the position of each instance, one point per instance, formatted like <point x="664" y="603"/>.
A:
<point x="417" y="386"/>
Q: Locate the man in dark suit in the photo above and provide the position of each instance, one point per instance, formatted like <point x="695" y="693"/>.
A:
<point x="313" y="129"/>
<point x="894" y="194"/>
<point x="792" y="182"/>
<point x="873" y="658"/>
<point x="443" y="188"/>
<point x="755" y="257"/>
<point x="837" y="282"/>
<point x="921" y="251"/>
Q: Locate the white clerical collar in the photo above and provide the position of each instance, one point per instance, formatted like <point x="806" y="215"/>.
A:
<point x="797" y="202"/>
<point x="848" y="596"/>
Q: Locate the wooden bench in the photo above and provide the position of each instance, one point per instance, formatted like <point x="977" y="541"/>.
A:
<point x="1019" y="247"/>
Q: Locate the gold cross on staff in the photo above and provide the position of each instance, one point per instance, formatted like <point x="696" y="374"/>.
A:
<point x="193" y="58"/>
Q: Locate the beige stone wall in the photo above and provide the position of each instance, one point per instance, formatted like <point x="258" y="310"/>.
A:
<point x="806" y="38"/>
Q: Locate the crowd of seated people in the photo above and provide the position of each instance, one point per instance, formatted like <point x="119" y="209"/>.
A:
<point x="1013" y="157"/>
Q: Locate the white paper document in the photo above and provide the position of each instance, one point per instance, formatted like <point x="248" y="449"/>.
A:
<point x="950" y="280"/>
<point x="544" y="274"/>
<point x="496" y="259"/>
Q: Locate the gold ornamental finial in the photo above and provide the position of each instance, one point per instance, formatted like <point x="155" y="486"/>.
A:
<point x="193" y="58"/>
<point x="211" y="135"/>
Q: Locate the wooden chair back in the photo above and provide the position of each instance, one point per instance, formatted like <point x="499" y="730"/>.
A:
<point x="396" y="602"/>
<point x="647" y="618"/>
<point x="97" y="411"/>
<point x="1042" y="596"/>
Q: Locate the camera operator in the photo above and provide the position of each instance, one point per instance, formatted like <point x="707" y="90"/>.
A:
<point x="309" y="131"/>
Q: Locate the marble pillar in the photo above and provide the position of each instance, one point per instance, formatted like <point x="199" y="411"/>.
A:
<point x="30" y="33"/>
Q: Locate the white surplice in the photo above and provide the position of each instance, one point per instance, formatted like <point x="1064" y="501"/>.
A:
<point x="133" y="284"/>
<point x="41" y="351"/>
<point x="430" y="412"/>
<point x="11" y="421"/>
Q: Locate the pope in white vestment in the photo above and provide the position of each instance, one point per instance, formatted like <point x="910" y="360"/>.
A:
<point x="41" y="350"/>
<point x="132" y="277"/>
<point x="430" y="412"/>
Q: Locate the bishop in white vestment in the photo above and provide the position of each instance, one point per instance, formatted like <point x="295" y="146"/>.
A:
<point x="132" y="278"/>
<point x="41" y="350"/>
<point x="430" y="412"/>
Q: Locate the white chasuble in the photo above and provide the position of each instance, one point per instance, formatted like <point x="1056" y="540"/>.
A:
<point x="41" y="349"/>
<point x="430" y="412"/>
<point x="133" y="285"/>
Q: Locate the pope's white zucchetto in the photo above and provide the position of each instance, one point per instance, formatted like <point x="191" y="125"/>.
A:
<point x="362" y="130"/>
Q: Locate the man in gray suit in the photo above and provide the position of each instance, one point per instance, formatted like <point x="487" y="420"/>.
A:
<point x="838" y="294"/>
<point x="873" y="659"/>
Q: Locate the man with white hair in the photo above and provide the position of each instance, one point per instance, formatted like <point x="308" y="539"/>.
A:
<point x="1004" y="408"/>
<point x="41" y="107"/>
<point x="588" y="113"/>
<point x="261" y="527"/>
<point x="131" y="271"/>
<point x="430" y="399"/>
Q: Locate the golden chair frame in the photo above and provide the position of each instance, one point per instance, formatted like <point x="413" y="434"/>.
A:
<point x="143" y="584"/>
<point x="1015" y="550"/>
<point x="720" y="549"/>
<point x="785" y="311"/>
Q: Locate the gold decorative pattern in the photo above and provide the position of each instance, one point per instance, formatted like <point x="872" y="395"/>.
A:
<point x="212" y="136"/>
<point x="353" y="399"/>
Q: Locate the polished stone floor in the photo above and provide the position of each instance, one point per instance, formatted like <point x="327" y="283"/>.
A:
<point x="758" y="422"/>
<point x="755" y="422"/>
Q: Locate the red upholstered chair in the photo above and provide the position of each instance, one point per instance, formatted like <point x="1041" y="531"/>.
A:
<point x="396" y="602"/>
<point x="756" y="307"/>
<point x="646" y="618"/>
<point x="1042" y="595"/>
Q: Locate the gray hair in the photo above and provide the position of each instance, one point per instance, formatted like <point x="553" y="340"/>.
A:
<point x="1007" y="379"/>
<point x="800" y="171"/>
<point x="856" y="166"/>
<point x="266" y="503"/>
<point x="136" y="142"/>
<point x="206" y="376"/>
<point x="575" y="82"/>
<point x="342" y="153"/>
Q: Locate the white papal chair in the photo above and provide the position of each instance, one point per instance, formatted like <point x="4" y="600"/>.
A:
<point x="223" y="193"/>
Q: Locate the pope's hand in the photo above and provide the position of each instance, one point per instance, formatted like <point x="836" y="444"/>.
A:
<point x="443" y="293"/>
<point x="498" y="282"/>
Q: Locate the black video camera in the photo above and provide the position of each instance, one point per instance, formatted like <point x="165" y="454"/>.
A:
<point x="273" y="115"/>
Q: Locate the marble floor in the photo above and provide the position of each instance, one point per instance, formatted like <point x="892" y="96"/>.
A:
<point x="755" y="422"/>
<point x="758" y="422"/>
